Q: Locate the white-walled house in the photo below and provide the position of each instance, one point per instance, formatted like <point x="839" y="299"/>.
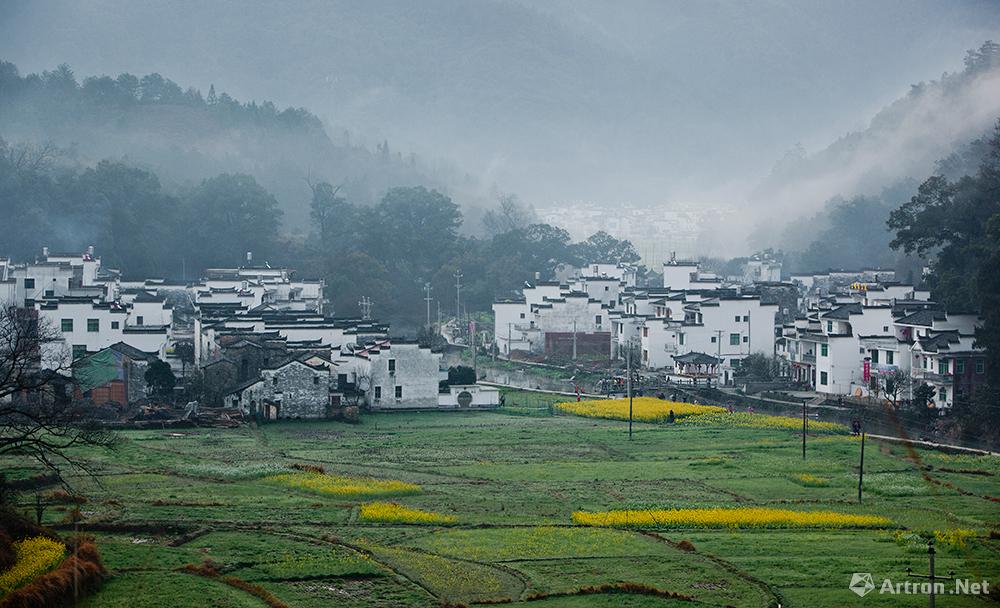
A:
<point x="87" y="326"/>
<point x="394" y="374"/>
<point x="727" y="326"/>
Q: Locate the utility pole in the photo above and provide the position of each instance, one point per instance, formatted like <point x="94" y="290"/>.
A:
<point x="366" y="308"/>
<point x="427" y="298"/>
<point x="931" y="576"/>
<point x="803" y="429"/>
<point x="574" y="340"/>
<point x="458" y="297"/>
<point x="509" y="332"/>
<point x="628" y="382"/>
<point x="718" y="353"/>
<point x="861" y="467"/>
<point x="475" y="351"/>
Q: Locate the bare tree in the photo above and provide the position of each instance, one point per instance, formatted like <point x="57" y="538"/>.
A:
<point x="29" y="158"/>
<point x="39" y="418"/>
<point x="891" y="385"/>
<point x="509" y="215"/>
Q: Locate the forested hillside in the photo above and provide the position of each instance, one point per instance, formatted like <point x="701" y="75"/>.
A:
<point x="185" y="136"/>
<point x="904" y="140"/>
<point x="386" y="250"/>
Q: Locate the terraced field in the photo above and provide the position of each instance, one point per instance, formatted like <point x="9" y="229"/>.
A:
<point x="237" y="508"/>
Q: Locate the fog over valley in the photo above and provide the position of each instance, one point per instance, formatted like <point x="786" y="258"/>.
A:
<point x="731" y="110"/>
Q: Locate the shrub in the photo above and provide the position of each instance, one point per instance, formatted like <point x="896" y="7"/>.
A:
<point x="64" y="497"/>
<point x="309" y="468"/>
<point x="686" y="545"/>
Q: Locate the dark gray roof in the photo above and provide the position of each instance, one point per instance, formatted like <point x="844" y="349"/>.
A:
<point x="924" y="318"/>
<point x="843" y="312"/>
<point x="696" y="359"/>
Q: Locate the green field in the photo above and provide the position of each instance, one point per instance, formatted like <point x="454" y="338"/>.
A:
<point x="513" y="482"/>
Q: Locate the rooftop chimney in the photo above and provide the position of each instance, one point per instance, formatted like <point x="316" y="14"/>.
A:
<point x="45" y="252"/>
<point x="90" y="251"/>
<point x="249" y="257"/>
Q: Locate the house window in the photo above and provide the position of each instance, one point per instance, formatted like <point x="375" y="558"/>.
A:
<point x="829" y="327"/>
<point x="942" y="367"/>
<point x="736" y="318"/>
<point x="50" y="293"/>
<point x="597" y="319"/>
<point x="681" y="337"/>
<point x="114" y="325"/>
<point x="645" y="332"/>
<point x="605" y="288"/>
<point x="943" y="392"/>
<point x="714" y="339"/>
<point x="341" y="380"/>
<point x="885" y="328"/>
<point x="980" y="367"/>
<point x="378" y="393"/>
<point x="274" y="381"/>
<point x="392" y="366"/>
<point x="959" y="367"/>
<point x="874" y="355"/>
<point x="29" y="283"/>
<point x="522" y="315"/>
<point x="823" y="378"/>
<point x="746" y="339"/>
<point x="734" y="339"/>
<point x="746" y="318"/>
<point x="824" y="350"/>
<point x="93" y="325"/>
<point x="66" y="325"/>
<point x="889" y="357"/>
<point x="79" y="350"/>
<point x="138" y="320"/>
<point x="315" y="380"/>
<point x="399" y="392"/>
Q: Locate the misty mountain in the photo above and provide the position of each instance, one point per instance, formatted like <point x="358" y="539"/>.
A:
<point x="185" y="136"/>
<point x="558" y="101"/>
<point x="927" y="130"/>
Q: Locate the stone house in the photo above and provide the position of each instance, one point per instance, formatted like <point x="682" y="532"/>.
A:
<point x="293" y="389"/>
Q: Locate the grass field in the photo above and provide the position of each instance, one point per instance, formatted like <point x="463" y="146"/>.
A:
<point x="509" y="485"/>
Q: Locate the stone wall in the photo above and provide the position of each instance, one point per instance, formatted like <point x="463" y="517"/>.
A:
<point x="302" y="391"/>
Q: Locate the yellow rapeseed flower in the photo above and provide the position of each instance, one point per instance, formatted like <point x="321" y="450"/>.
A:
<point x="644" y="409"/>
<point x="391" y="512"/>
<point x="34" y="556"/>
<point x="760" y="421"/>
<point x="741" y="517"/>
<point x="346" y="487"/>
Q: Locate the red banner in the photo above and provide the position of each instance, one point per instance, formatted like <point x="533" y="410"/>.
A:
<point x="868" y="370"/>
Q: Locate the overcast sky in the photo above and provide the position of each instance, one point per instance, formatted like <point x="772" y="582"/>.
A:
<point x="644" y="101"/>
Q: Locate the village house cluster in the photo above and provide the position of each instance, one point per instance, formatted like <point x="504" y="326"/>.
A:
<point x="856" y="331"/>
<point x="835" y="333"/>
<point x="255" y="338"/>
